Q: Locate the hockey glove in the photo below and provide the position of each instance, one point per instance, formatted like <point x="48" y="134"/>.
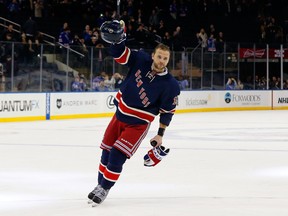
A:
<point x="155" y="155"/>
<point x="113" y="32"/>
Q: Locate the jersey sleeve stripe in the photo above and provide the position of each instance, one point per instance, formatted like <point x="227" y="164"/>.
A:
<point x="167" y="111"/>
<point x="123" y="59"/>
<point x="118" y="96"/>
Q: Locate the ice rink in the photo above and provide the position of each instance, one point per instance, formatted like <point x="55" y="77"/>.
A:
<point x="220" y="164"/>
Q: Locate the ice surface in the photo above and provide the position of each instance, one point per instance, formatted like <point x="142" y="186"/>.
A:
<point x="220" y="164"/>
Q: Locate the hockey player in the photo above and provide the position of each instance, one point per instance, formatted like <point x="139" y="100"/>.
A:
<point x="148" y="90"/>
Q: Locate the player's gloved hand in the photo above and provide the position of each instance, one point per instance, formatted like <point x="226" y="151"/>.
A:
<point x="113" y="32"/>
<point x="155" y="155"/>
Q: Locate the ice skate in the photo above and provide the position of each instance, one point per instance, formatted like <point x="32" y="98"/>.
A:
<point x="92" y="194"/>
<point x="100" y="196"/>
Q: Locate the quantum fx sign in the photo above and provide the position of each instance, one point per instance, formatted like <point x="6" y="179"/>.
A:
<point x="22" y="106"/>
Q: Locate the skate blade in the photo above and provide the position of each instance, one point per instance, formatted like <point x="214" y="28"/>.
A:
<point x="90" y="201"/>
<point x="94" y="204"/>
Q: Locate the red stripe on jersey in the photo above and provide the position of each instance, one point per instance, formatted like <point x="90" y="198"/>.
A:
<point x="123" y="59"/>
<point x="126" y="110"/>
<point x="111" y="176"/>
<point x="102" y="168"/>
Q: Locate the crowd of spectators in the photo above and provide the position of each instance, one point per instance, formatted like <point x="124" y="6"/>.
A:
<point x="101" y="82"/>
<point x="176" y="22"/>
<point x="258" y="83"/>
<point x="104" y="82"/>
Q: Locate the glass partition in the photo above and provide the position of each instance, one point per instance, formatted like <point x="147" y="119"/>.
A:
<point x="47" y="68"/>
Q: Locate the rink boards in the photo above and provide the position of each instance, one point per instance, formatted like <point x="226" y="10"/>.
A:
<point x="50" y="106"/>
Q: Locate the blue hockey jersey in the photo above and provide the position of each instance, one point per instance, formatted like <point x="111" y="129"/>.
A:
<point x="144" y="94"/>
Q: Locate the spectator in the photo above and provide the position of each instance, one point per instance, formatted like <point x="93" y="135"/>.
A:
<point x="87" y="34"/>
<point x="124" y="16"/>
<point x="239" y="85"/>
<point x="177" y="39"/>
<point x="82" y="83"/>
<point x="75" y="87"/>
<point x="95" y="41"/>
<point x="25" y="50"/>
<point x="211" y="43"/>
<point x="9" y="30"/>
<point x="8" y="38"/>
<point x="79" y="85"/>
<point x="274" y="83"/>
<point x="30" y="29"/>
<point x="262" y="84"/>
<point x="140" y="16"/>
<point x="231" y="84"/>
<point x="38" y="9"/>
<point x="162" y="29"/>
<point x="109" y="83"/>
<point x="64" y="37"/>
<point x="153" y="19"/>
<point x="220" y="40"/>
<point x="202" y="38"/>
<point x="98" y="83"/>
<point x="65" y="25"/>
<point x="14" y="11"/>
<point x="173" y="10"/>
<point x="183" y="82"/>
<point x="140" y="36"/>
<point x="167" y="40"/>
<point x="79" y="45"/>
<point x="119" y="79"/>
<point x="103" y="82"/>
<point x="212" y="29"/>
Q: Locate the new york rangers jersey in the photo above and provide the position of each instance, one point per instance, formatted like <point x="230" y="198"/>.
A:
<point x="144" y="94"/>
